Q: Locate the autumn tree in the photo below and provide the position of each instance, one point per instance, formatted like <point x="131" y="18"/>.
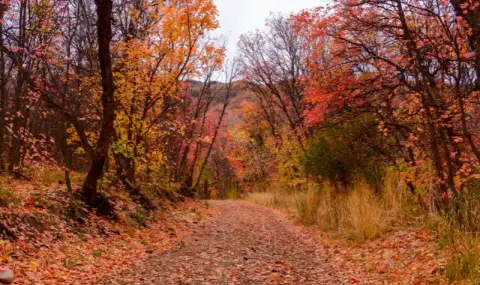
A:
<point x="160" y="48"/>
<point x="104" y="35"/>
<point x="229" y="90"/>
<point x="273" y="62"/>
<point x="69" y="91"/>
<point x="410" y="65"/>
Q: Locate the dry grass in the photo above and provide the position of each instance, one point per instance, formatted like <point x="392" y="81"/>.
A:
<point x="459" y="232"/>
<point x="359" y="213"/>
<point x="262" y="198"/>
<point x="464" y="262"/>
<point x="363" y="214"/>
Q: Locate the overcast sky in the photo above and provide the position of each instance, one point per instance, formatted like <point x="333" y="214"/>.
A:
<point x="240" y="16"/>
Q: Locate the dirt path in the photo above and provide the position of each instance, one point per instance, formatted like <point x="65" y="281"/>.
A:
<point x="242" y="244"/>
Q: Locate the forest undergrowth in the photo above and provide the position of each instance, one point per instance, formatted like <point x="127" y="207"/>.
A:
<point x="362" y="223"/>
<point x="49" y="236"/>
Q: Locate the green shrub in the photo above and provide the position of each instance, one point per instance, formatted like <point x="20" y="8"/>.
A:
<point x="97" y="252"/>
<point x="8" y="198"/>
<point x="344" y="153"/>
<point x="141" y="216"/>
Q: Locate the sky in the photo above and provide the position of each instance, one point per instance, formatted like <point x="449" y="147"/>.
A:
<point x="240" y="16"/>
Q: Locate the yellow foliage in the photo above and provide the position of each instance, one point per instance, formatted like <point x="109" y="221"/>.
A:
<point x="151" y="66"/>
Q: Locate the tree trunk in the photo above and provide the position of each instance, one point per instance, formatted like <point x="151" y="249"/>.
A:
<point x="226" y="102"/>
<point x="3" y="90"/>
<point x="471" y="14"/>
<point x="14" y="154"/>
<point x="62" y="144"/>
<point x="125" y="171"/>
<point x="104" y="33"/>
<point x="436" y="134"/>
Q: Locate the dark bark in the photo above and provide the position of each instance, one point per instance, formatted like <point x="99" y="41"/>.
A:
<point x="67" y="155"/>
<point x="437" y="135"/>
<point x="104" y="33"/>
<point x="3" y="90"/>
<point x="472" y="17"/>
<point x="125" y="171"/>
<point x="16" y="142"/>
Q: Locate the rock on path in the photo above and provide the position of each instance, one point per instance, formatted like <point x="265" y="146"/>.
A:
<point x="242" y="244"/>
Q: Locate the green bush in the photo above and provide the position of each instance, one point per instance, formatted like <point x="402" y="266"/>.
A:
<point x="8" y="198"/>
<point x="343" y="153"/>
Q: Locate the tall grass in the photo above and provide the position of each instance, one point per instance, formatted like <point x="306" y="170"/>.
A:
<point x="363" y="213"/>
<point x="358" y="213"/>
<point x="464" y="260"/>
<point x="459" y="230"/>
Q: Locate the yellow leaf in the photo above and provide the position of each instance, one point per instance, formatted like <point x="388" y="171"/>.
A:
<point x="33" y="266"/>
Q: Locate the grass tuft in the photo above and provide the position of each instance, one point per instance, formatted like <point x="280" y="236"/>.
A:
<point x="358" y="213"/>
